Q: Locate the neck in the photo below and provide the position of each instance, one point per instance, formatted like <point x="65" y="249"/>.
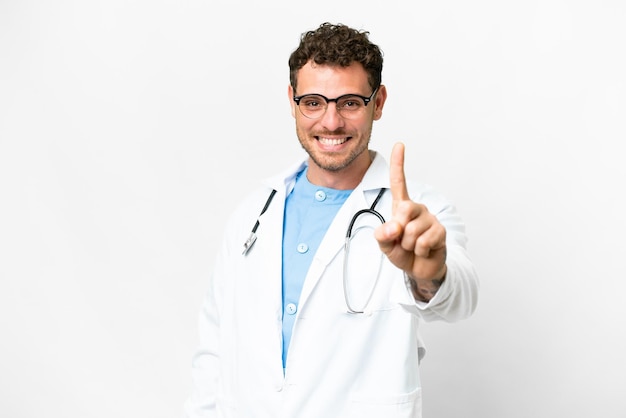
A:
<point x="347" y="178"/>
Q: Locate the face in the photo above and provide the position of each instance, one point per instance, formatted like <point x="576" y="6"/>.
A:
<point x="337" y="147"/>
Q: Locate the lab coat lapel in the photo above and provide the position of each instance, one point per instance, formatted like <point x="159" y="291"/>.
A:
<point x="271" y="223"/>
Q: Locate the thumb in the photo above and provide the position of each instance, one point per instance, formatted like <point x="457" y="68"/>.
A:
<point x="387" y="235"/>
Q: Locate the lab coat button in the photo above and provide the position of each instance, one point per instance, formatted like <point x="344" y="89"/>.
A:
<point x="302" y="248"/>
<point x="320" y="195"/>
<point x="291" y="308"/>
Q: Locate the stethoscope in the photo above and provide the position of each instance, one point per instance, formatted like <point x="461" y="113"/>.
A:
<point x="349" y="234"/>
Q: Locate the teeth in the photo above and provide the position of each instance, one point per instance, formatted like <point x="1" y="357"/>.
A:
<point x="331" y="141"/>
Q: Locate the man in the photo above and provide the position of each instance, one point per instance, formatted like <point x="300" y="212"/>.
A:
<point x="299" y="321"/>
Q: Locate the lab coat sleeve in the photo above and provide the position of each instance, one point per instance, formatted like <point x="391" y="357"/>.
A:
<point x="457" y="297"/>
<point x="205" y="362"/>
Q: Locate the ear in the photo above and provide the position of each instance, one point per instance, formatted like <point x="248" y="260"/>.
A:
<point x="379" y="102"/>
<point x="291" y="102"/>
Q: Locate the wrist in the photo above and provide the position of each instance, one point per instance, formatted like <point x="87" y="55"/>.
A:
<point x="425" y="289"/>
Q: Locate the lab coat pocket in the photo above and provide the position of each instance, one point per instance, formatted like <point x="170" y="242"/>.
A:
<point x="374" y="405"/>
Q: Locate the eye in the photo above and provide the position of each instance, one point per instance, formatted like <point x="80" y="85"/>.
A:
<point x="351" y="103"/>
<point x="312" y="102"/>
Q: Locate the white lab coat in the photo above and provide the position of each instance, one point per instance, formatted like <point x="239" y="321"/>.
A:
<point x="339" y="364"/>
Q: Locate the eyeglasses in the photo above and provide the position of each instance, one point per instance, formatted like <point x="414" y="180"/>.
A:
<point x="349" y="106"/>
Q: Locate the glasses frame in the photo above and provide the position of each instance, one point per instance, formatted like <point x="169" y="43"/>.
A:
<point x="365" y="99"/>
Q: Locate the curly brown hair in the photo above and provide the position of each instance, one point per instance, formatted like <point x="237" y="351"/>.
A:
<point x="337" y="45"/>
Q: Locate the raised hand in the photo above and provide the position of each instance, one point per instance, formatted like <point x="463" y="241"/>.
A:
<point x="413" y="239"/>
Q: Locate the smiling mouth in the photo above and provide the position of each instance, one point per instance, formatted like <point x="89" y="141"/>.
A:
<point x="332" y="141"/>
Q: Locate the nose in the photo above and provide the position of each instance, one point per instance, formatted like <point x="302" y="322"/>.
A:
<point x="331" y="119"/>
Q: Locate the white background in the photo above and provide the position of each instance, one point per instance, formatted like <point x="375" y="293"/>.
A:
<point x="130" y="129"/>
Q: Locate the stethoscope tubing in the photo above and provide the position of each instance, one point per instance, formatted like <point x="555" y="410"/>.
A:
<point x="371" y="210"/>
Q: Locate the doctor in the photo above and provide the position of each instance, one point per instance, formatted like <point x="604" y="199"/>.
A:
<point x="300" y="321"/>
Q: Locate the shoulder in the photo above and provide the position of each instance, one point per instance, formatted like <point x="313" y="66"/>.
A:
<point x="265" y="191"/>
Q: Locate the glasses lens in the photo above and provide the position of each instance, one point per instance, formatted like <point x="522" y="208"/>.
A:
<point x="350" y="106"/>
<point x="312" y="106"/>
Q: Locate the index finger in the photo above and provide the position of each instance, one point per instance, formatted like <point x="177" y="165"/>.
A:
<point x="397" y="181"/>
